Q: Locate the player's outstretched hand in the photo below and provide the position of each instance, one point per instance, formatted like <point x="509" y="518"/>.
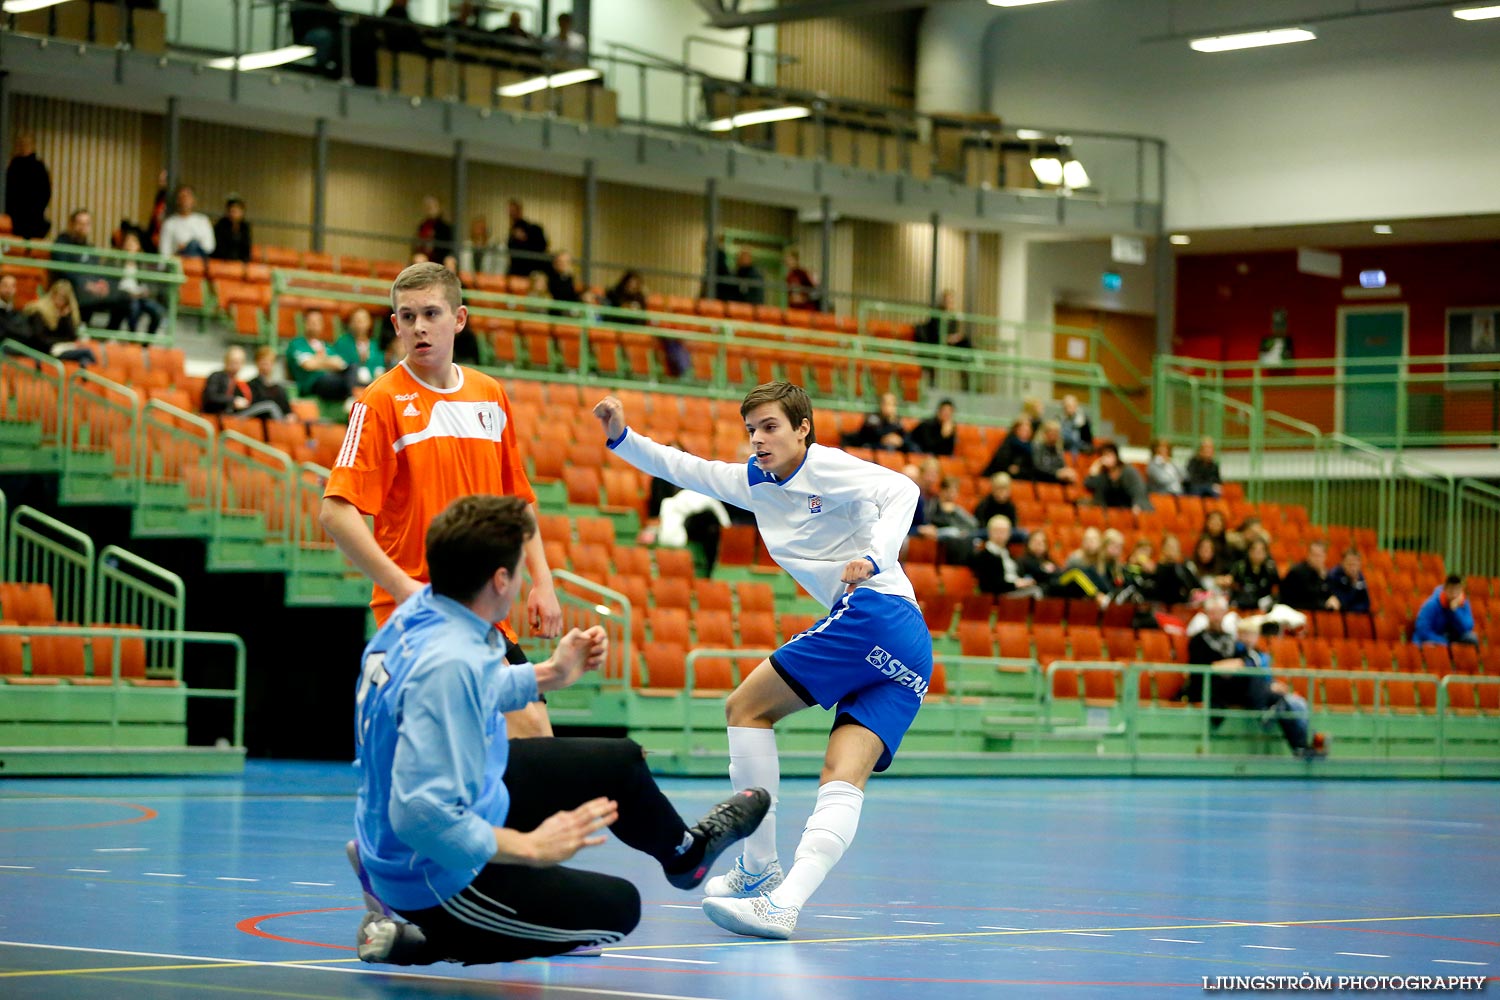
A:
<point x="576" y="652"/>
<point x="611" y="414"/>
<point x="857" y="571"/>
<point x="564" y="834"/>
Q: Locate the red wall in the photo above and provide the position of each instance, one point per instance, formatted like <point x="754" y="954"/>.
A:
<point x="1225" y="301"/>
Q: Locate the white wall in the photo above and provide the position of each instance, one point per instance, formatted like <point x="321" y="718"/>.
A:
<point x="1381" y="117"/>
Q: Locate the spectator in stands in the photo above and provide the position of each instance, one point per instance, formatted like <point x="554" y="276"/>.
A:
<point x="139" y="296"/>
<point x="1215" y="529"/>
<point x="1048" y="460"/>
<point x="1087" y="573"/>
<point x="402" y="36"/>
<point x="955" y="526"/>
<point x="1249" y="530"/>
<point x="1254" y="580"/>
<point x="232" y="231"/>
<point x="1077" y="432"/>
<point x="1306" y="586"/>
<point x="316" y="23"/>
<point x="152" y="240"/>
<point x="541" y="285"/>
<point x="627" y="293"/>
<point x="1445" y="617"/>
<point x="568" y="46"/>
<point x="28" y="190"/>
<point x="1112" y="483"/>
<point x="936" y="434"/>
<point x="187" y="232"/>
<point x="749" y="284"/>
<point x="675" y="517"/>
<point x="994" y="569"/>
<point x="1162" y="474"/>
<point x="13" y="323"/>
<point x="358" y="349"/>
<point x="1209" y="567"/>
<point x="930" y="482"/>
<point x="466" y="18"/>
<point x="513" y="34"/>
<point x="562" y="284"/>
<point x="882" y="429"/>
<point x="95" y="292"/>
<point x="801" y="290"/>
<point x="479" y="255"/>
<point x="1348" y="584"/>
<point x="56" y="326"/>
<point x="1140" y="569"/>
<point x="225" y="392"/>
<point x="1203" y="479"/>
<point x="1174" y="581"/>
<point x="944" y="329"/>
<point x="1013" y="456"/>
<point x="434" y="233"/>
<point x="527" y="244"/>
<point x="315" y="368"/>
<point x="1037" y="562"/>
<point x="266" y="390"/>
<point x="919" y="526"/>
<point x="719" y="283"/>
<point x="998" y="501"/>
<point x="1032" y="413"/>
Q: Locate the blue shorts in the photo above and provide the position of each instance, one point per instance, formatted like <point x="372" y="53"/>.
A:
<point x="872" y="657"/>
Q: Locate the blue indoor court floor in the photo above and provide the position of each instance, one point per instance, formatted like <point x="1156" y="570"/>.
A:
<point x="953" y="889"/>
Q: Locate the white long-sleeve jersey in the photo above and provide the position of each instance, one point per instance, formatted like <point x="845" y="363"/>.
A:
<point x="832" y="510"/>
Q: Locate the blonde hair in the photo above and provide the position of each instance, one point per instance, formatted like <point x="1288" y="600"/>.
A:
<point x="425" y="275"/>
<point x="44" y="307"/>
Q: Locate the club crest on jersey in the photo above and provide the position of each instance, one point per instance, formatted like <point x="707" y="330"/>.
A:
<point x="487" y="421"/>
<point x="815" y="505"/>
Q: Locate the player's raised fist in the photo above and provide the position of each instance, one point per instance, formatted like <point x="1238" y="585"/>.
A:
<point x="611" y="414"/>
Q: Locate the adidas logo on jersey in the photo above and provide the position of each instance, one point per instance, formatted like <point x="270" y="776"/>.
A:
<point x="411" y="410"/>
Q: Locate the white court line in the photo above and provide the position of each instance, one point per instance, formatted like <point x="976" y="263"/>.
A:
<point x="653" y="958"/>
<point x="984" y="928"/>
<point x="1176" y="941"/>
<point x="347" y="970"/>
<point x="91" y="871"/>
<point x="1086" y="934"/>
<point x="230" y="878"/>
<point x="833" y="916"/>
<point x="119" y="850"/>
<point x="313" y="883"/>
<point x="679" y="906"/>
<point x="1267" y="947"/>
<point x="1360" y="954"/>
<point x="19" y="867"/>
<point x="1454" y="961"/>
<point x="921" y="923"/>
<point x="165" y="874"/>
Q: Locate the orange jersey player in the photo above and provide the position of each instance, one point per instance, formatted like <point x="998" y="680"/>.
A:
<point x="424" y="434"/>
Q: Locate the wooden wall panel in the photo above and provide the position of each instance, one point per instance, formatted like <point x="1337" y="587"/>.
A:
<point x="892" y="261"/>
<point x="101" y="159"/>
<point x="380" y="191"/>
<point x="868" y="58"/>
<point x="271" y="171"/>
<point x="553" y="201"/>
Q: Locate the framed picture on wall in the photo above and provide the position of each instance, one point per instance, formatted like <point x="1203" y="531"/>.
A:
<point x="1474" y="330"/>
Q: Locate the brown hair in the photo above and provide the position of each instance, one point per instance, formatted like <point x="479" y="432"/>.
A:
<point x="264" y="351"/>
<point x="791" y="398"/>
<point x="473" y="538"/>
<point x="427" y="274"/>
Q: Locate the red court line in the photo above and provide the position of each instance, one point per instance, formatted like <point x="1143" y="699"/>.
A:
<point x="146" y="815"/>
<point x="251" y="925"/>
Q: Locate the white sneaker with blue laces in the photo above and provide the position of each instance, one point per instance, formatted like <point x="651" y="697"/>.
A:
<point x="755" y="917"/>
<point x="741" y="883"/>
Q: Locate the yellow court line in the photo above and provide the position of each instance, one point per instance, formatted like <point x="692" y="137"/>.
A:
<point x="170" y="968"/>
<point x="952" y="935"/>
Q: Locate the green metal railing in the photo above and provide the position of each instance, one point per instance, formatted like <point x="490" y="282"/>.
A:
<point x="135" y="591"/>
<point x="1475" y="546"/>
<point x="150" y="269"/>
<point x="34" y="385"/>
<point x="177" y="457"/>
<point x="42" y="549"/>
<point x="100" y="423"/>
<point x="253" y="478"/>
<point x="120" y="691"/>
<point x="585" y="604"/>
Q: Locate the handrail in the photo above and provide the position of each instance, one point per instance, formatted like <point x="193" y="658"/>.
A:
<point x="157" y="596"/>
<point x="690" y="677"/>
<point x="127" y="409"/>
<point x="626" y="617"/>
<point x="64" y="560"/>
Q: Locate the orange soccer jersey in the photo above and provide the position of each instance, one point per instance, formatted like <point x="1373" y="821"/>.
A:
<point x="412" y="449"/>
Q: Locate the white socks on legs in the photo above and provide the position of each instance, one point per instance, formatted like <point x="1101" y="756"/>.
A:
<point x="829" y="832"/>
<point x="753" y="764"/>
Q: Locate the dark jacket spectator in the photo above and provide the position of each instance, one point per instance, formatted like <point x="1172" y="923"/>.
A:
<point x="936" y="434"/>
<point x="1037" y="562"/>
<point x="1173" y="582"/>
<point x="944" y="329"/>
<point x="995" y="571"/>
<point x="1049" y="461"/>
<point x="1306" y="586"/>
<point x="434" y="233"/>
<point x="1445" y="617"/>
<point x="527" y="244"/>
<point x="1077" y="432"/>
<point x="223" y="391"/>
<point x="28" y="190"/>
<point x="399" y="34"/>
<point x="881" y="430"/>
<point x="1255" y="579"/>
<point x="95" y="292"/>
<point x="1347" y="580"/>
<point x="997" y="501"/>
<point x="232" y="232"/>
<point x="1203" y="479"/>
<point x="748" y="283"/>
<point x="1115" y="484"/>
<point x="1013" y="456"/>
<point x="956" y="527"/>
<point x="14" y="324"/>
<point x="627" y="293"/>
<point x="316" y="23"/>
<point x="562" y="283"/>
<point x="266" y="391"/>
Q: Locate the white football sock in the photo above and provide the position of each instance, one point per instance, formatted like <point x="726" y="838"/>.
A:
<point x="753" y="764"/>
<point x="829" y="832"/>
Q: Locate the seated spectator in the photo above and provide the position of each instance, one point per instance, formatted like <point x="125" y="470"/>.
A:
<point x="1087" y="572"/>
<point x="562" y="284"/>
<point x="479" y="255"/>
<point x="1112" y="483"/>
<point x="513" y="34"/>
<point x="1031" y="411"/>
<point x="627" y="293"/>
<point x="568" y="46"/>
<point x="1112" y="561"/>
<point x="882" y="429"/>
<point x="1347" y="581"/>
<point x="1173" y="582"/>
<point x="541" y="285"/>
<point x="936" y="435"/>
<point x="14" y="324"/>
<point x="1077" y="432"/>
<point x="1013" y="456"/>
<point x="1140" y="569"/>
<point x="526" y="244"/>
<point x="434" y="233"/>
<point x="140" y="296"/>
<point x="1048" y="460"/>
<point x="225" y="392"/>
<point x="267" y="394"/>
<point x="95" y="293"/>
<point x="315" y="368"/>
<point x="675" y="517"/>
<point x="358" y="349"/>
<point x="187" y="232"/>
<point x="56" y="326"/>
<point x="1253" y="578"/>
<point x="1203" y="479"/>
<point x="1090" y="550"/>
<point x="232" y="232"/>
<point x="998" y="501"/>
<point x="1215" y="529"/>
<point x="946" y="330"/>
<point x="1037" y="562"/>
<point x="747" y="284"/>
<point x="801" y="290"/>
<point x="1250" y="529"/>
<point x="1445" y="617"/>
<point x="919" y="526"/>
<point x="1210" y="568"/>
<point x="1306" y="586"/>
<point x="1162" y="474"/>
<point x="955" y="526"/>
<point x="994" y="569"/>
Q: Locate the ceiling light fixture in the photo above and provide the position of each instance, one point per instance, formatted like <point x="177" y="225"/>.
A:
<point x="27" y="6"/>
<point x="759" y="117"/>
<point x="1252" y="39"/>
<point x="1477" y="13"/>
<point x="1029" y="134"/>
<point x="1381" y="229"/>
<point x="264" y="60"/>
<point x="1180" y="239"/>
<point x="1016" y="3"/>
<point x="564" y="79"/>
<point x="1048" y="169"/>
<point x="1074" y="176"/>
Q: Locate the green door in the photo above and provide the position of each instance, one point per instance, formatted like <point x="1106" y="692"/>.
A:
<point x="1370" y="410"/>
